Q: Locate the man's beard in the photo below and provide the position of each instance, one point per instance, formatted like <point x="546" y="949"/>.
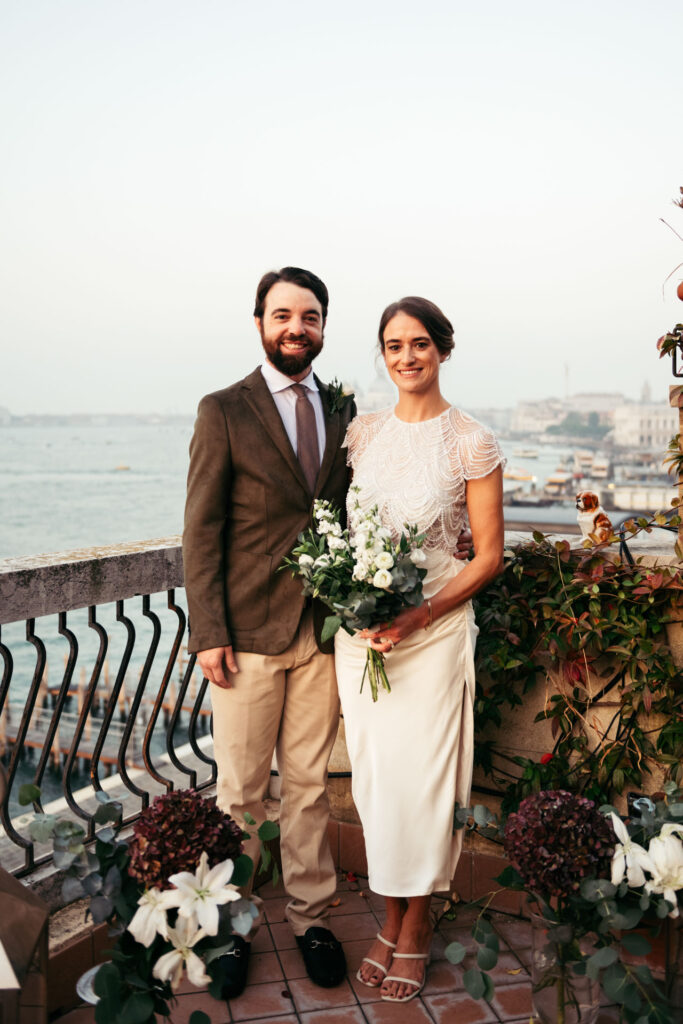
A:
<point x="291" y="364"/>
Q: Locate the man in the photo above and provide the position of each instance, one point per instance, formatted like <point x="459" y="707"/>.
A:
<point x="262" y="450"/>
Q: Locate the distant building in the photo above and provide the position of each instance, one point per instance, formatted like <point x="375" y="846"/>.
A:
<point x="380" y="395"/>
<point x="536" y="417"/>
<point x="602" y="402"/>
<point x="497" y="420"/>
<point x="640" y="425"/>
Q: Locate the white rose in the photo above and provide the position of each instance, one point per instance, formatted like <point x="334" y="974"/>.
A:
<point x="305" y="561"/>
<point x="418" y="557"/>
<point x="384" y="560"/>
<point x="382" y="579"/>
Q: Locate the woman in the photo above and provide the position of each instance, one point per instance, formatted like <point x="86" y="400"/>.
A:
<point x="423" y="462"/>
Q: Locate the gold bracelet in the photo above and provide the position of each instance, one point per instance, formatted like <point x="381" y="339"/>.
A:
<point x="429" y="620"/>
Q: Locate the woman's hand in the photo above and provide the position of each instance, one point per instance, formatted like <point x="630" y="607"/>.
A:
<point x="386" y="636"/>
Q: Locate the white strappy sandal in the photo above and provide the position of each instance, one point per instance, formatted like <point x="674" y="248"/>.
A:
<point x="417" y="985"/>
<point x="375" y="963"/>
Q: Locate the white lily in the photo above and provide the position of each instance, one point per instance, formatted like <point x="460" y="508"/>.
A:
<point x="169" y="967"/>
<point x="199" y="896"/>
<point x="149" y="919"/>
<point x="666" y="853"/>
<point x="629" y="858"/>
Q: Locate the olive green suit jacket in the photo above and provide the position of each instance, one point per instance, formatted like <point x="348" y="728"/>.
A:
<point x="247" y="500"/>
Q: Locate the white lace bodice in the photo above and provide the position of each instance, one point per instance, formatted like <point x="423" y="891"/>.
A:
<point x="416" y="472"/>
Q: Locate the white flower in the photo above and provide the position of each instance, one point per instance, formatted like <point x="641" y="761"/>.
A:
<point x="335" y="543"/>
<point x="384" y="560"/>
<point x="322" y="561"/>
<point x="198" y="897"/>
<point x="321" y="511"/>
<point x="324" y="526"/>
<point x="666" y="854"/>
<point x="336" y="529"/>
<point x="629" y="858"/>
<point x="305" y="561"/>
<point x="418" y="557"/>
<point x="150" y="918"/>
<point x="169" y="967"/>
<point x="382" y="579"/>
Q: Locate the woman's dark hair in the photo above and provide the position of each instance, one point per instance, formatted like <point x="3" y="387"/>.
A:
<point x="293" y="275"/>
<point x="438" y="327"/>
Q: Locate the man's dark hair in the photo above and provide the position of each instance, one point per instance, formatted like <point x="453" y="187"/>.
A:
<point x="437" y="325"/>
<point x="294" y="275"/>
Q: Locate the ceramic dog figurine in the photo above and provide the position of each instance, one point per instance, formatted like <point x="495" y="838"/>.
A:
<point x="595" y="524"/>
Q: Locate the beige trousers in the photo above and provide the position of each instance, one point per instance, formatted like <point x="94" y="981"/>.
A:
<point x="288" y="703"/>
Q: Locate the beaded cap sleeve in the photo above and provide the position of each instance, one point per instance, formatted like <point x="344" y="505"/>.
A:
<point x="416" y="472"/>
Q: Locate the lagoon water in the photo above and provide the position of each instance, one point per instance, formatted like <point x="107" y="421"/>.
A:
<point x="61" y="488"/>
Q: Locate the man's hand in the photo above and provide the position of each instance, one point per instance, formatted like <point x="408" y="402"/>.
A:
<point x="216" y="663"/>
<point x="463" y="546"/>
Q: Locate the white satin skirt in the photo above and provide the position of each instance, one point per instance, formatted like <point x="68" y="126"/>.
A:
<point x="411" y="752"/>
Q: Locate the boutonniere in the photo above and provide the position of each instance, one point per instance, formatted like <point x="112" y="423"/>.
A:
<point x="337" y="398"/>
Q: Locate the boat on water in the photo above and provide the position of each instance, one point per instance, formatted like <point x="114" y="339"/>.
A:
<point x="521" y="475"/>
<point x="526" y="453"/>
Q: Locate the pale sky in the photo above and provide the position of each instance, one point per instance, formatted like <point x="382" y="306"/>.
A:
<point x="510" y="161"/>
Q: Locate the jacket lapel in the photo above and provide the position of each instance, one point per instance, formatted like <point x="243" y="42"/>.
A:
<point x="332" y="437"/>
<point x="261" y="401"/>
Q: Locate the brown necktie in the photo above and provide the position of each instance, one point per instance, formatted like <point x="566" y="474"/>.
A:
<point x="307" y="450"/>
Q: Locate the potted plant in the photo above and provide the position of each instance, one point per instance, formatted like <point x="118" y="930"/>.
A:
<point x="169" y="892"/>
<point x="599" y="890"/>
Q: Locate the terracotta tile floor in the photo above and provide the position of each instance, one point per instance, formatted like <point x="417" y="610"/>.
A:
<point x="280" y="993"/>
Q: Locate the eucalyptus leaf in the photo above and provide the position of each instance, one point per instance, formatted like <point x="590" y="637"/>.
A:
<point x="331" y="626"/>
<point x="602" y="958"/>
<point x="596" y="889"/>
<point x="242" y="870"/>
<point x="41" y="830"/>
<point x="217" y="951"/>
<point x="268" y="830"/>
<point x="637" y="944"/>
<point x="482" y="815"/>
<point x="62" y="859"/>
<point x="72" y="889"/>
<point x="248" y="818"/>
<point x="100" y="908"/>
<point x="475" y="982"/>
<point x="242" y="922"/>
<point x="92" y="883"/>
<point x="455" y="952"/>
<point x="486" y="958"/>
<point x="28" y="794"/>
<point x="614" y="981"/>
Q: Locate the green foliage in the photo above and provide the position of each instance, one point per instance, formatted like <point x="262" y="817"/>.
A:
<point x="673" y="459"/>
<point x="599" y="626"/>
<point x="577" y="424"/>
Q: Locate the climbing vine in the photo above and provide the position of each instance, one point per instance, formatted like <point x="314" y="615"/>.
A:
<point x="599" y="625"/>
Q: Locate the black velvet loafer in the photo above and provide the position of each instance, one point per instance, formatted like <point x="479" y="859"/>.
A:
<point x="323" y="957"/>
<point x="235" y="965"/>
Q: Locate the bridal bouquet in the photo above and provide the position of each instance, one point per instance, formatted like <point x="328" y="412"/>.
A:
<point x="362" y="576"/>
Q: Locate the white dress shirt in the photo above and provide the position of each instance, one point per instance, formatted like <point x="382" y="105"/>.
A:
<point x="280" y="387"/>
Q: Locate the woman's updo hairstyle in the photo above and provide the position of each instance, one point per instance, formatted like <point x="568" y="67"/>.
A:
<point x="438" y="327"/>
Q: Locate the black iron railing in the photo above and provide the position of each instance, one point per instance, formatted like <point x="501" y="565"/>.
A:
<point x="120" y="616"/>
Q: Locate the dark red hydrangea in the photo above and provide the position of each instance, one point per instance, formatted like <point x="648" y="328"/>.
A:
<point x="556" y="839"/>
<point x="171" y="834"/>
